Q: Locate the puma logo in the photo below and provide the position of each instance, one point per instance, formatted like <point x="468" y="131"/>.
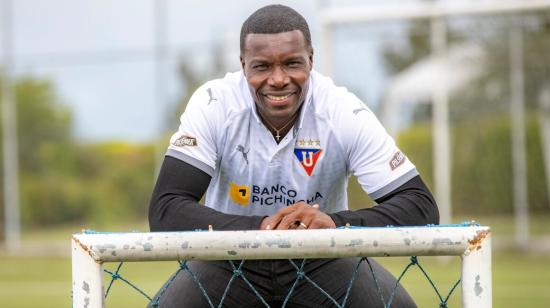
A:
<point x="356" y="111"/>
<point x="244" y="151"/>
<point x="212" y="99"/>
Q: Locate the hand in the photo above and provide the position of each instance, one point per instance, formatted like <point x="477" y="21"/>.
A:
<point x="298" y="216"/>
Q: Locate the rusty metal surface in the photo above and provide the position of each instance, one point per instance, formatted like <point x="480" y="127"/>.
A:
<point x="477" y="242"/>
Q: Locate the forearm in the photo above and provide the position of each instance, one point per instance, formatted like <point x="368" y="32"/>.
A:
<point x="412" y="204"/>
<point x="180" y="214"/>
<point x="174" y="204"/>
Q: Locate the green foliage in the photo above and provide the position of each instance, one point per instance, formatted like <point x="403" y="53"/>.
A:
<point x="62" y="180"/>
<point x="482" y="164"/>
<point x="113" y="182"/>
<point x="120" y="177"/>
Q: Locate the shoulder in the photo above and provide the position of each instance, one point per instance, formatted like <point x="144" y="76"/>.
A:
<point x="226" y="96"/>
<point x="336" y="103"/>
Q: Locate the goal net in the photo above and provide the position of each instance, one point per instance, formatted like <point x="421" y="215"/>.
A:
<point x="90" y="250"/>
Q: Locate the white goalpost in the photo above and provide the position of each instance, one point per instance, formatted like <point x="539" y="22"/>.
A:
<point x="471" y="243"/>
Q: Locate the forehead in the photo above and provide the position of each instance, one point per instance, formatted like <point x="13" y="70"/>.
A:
<point x="274" y="44"/>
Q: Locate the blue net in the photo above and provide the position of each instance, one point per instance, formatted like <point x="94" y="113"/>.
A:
<point x="301" y="276"/>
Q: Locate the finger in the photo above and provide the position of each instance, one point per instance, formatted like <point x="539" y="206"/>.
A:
<point x="289" y="209"/>
<point x="287" y="221"/>
<point x="272" y="221"/>
<point x="310" y="221"/>
<point x="315" y="206"/>
<point x="302" y="225"/>
<point x="322" y="221"/>
<point x="294" y="226"/>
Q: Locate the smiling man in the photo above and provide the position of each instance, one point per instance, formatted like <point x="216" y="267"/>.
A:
<point x="273" y="145"/>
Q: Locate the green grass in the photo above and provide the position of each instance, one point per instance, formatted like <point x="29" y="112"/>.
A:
<point x="519" y="280"/>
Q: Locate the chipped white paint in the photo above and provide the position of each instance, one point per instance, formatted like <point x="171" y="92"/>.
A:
<point x="87" y="278"/>
<point x="472" y="243"/>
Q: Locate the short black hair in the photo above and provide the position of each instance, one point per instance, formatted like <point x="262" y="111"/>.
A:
<point x="272" y="19"/>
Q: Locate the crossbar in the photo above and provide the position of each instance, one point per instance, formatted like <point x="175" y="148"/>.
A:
<point x="472" y="243"/>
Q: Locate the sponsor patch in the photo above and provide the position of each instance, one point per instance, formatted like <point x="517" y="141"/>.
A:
<point x="240" y="194"/>
<point x="183" y="141"/>
<point x="308" y="158"/>
<point x="397" y="160"/>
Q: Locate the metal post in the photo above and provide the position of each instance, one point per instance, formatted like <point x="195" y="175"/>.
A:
<point x="87" y="278"/>
<point x="472" y="243"/>
<point x="327" y="48"/>
<point x="160" y="80"/>
<point x="517" y="112"/>
<point x="477" y="280"/>
<point x="390" y="114"/>
<point x="441" y="134"/>
<point x="545" y="134"/>
<point x="9" y="127"/>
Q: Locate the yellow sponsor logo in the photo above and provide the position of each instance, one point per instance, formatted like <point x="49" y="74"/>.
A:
<point x="240" y="194"/>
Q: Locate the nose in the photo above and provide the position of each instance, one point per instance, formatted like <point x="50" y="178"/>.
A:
<point x="278" y="78"/>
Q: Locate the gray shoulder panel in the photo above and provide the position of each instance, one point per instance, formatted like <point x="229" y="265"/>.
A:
<point x="394" y="184"/>
<point x="190" y="160"/>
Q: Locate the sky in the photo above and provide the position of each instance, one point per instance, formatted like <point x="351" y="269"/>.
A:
<point x="100" y="55"/>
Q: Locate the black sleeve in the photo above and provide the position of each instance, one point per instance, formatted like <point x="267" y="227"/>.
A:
<point x="175" y="204"/>
<point x="411" y="204"/>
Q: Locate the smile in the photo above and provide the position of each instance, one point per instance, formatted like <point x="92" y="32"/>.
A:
<point x="278" y="97"/>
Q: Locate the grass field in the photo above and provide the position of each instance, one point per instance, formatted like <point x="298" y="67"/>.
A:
<point x="519" y="280"/>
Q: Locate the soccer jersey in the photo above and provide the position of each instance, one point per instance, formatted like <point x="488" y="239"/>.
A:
<point x="336" y="136"/>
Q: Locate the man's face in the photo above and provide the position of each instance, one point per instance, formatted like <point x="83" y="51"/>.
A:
<point x="277" y="68"/>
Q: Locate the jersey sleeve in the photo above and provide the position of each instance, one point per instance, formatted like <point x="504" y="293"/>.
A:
<point x="195" y="140"/>
<point x="373" y="156"/>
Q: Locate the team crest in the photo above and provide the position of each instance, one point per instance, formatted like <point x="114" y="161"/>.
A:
<point x="308" y="158"/>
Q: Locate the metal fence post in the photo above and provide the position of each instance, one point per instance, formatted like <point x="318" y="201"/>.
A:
<point x="476" y="273"/>
<point x="87" y="278"/>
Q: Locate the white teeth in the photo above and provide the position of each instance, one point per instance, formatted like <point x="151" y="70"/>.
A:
<point x="278" y="98"/>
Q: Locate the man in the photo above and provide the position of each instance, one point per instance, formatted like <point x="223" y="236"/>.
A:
<point x="274" y="145"/>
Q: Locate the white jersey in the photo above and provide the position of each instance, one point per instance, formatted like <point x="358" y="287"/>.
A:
<point x="335" y="136"/>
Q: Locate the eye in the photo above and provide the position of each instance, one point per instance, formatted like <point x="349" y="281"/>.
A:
<point x="260" y="67"/>
<point x="294" y="64"/>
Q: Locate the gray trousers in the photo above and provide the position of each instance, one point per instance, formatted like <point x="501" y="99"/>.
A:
<point x="274" y="278"/>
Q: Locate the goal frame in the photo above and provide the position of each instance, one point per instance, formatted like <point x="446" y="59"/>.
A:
<point x="472" y="243"/>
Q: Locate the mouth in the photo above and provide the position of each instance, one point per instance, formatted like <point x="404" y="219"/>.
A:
<point x="279" y="98"/>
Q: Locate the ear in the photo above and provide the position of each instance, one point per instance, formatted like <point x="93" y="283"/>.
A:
<point x="242" y="62"/>
<point x="311" y="58"/>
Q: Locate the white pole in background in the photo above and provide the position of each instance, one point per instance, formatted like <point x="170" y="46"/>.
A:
<point x="545" y="134"/>
<point x="160" y="80"/>
<point x="327" y="48"/>
<point x="441" y="131"/>
<point x="12" y="223"/>
<point x="517" y="111"/>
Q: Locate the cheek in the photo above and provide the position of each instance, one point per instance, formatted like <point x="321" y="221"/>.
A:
<point x="301" y="79"/>
<point x="255" y="82"/>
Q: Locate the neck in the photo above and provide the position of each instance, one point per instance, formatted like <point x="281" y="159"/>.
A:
<point x="282" y="128"/>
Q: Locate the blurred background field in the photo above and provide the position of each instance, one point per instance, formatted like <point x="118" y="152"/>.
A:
<point x="467" y="97"/>
<point x="43" y="275"/>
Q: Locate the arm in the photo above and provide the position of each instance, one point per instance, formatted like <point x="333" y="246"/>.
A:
<point x="174" y="204"/>
<point x="410" y="204"/>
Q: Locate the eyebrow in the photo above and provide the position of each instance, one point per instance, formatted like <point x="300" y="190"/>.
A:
<point x="295" y="56"/>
